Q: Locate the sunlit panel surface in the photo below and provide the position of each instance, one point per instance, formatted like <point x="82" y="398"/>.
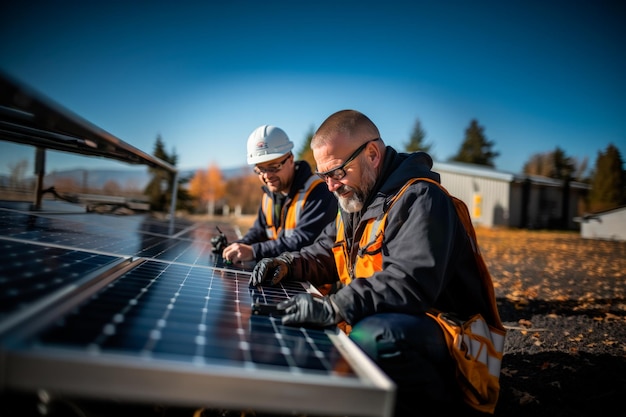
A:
<point x="30" y="272"/>
<point x="140" y="309"/>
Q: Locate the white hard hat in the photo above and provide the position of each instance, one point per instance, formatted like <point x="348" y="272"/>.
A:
<point x="267" y="143"/>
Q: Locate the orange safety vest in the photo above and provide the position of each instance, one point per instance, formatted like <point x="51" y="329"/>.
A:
<point x="294" y="210"/>
<point x="484" y="369"/>
<point x="370" y="260"/>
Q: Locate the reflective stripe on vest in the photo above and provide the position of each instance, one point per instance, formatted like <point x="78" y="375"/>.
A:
<point x="369" y="257"/>
<point x="294" y="211"/>
<point x="369" y="260"/>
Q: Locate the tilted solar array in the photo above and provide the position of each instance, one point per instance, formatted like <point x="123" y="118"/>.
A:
<point x="105" y="306"/>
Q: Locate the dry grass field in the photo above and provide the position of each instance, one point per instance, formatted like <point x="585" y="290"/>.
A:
<point x="563" y="300"/>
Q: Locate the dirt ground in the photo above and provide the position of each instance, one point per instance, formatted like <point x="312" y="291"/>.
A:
<point x="563" y="301"/>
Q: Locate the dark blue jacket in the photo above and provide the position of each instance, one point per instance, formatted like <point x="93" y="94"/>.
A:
<point x="428" y="259"/>
<point x="319" y="209"/>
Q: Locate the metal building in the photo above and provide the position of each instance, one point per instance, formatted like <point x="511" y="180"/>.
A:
<point x="609" y="224"/>
<point x="500" y="198"/>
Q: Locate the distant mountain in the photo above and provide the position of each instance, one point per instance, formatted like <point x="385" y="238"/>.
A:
<point x="126" y="178"/>
<point x="96" y="178"/>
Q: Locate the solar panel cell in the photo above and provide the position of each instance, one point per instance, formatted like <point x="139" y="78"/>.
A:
<point x="176" y="313"/>
<point x="29" y="272"/>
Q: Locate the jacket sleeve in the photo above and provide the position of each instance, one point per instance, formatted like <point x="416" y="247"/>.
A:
<point x="419" y="247"/>
<point x="319" y="209"/>
<point x="315" y="263"/>
<point x="257" y="232"/>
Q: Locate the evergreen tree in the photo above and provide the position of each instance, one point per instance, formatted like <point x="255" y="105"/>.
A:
<point x="608" y="181"/>
<point x="563" y="165"/>
<point x="416" y="141"/>
<point x="476" y="149"/>
<point x="159" y="189"/>
<point x="305" y="153"/>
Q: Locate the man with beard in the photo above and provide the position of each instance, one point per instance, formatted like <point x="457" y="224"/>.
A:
<point x="296" y="204"/>
<point x="399" y="250"/>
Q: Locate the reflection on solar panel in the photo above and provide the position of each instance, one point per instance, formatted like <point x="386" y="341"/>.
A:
<point x="32" y="273"/>
<point x="153" y="317"/>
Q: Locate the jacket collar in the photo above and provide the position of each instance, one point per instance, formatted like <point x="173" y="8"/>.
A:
<point x="398" y="168"/>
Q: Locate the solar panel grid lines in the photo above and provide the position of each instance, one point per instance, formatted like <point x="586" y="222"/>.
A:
<point x="263" y="345"/>
<point x="33" y="276"/>
<point x="163" y="319"/>
<point x="136" y="239"/>
<point x="171" y="310"/>
<point x="60" y="231"/>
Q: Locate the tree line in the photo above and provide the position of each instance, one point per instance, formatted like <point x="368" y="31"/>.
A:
<point x="208" y="192"/>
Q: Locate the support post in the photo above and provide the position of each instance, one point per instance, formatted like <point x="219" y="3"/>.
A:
<point x="40" y="172"/>
<point x="173" y="202"/>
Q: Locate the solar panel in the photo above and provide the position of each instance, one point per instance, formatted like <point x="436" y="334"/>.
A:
<point x="130" y="236"/>
<point x="153" y="317"/>
<point x="32" y="276"/>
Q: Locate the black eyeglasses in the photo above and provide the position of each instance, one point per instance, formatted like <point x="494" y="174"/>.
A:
<point x="340" y="172"/>
<point x="272" y="169"/>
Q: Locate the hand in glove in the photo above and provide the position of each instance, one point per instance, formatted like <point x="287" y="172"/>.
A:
<point x="274" y="269"/>
<point x="306" y="309"/>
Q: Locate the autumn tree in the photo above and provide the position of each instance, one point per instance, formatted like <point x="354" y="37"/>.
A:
<point x="416" y="141"/>
<point x="555" y="164"/>
<point x="608" y="183"/>
<point x="208" y="187"/>
<point x="305" y="153"/>
<point x="244" y="191"/>
<point x="538" y="164"/>
<point x="476" y="149"/>
<point x="111" y="187"/>
<point x="66" y="185"/>
<point x="198" y="186"/>
<point x="17" y="173"/>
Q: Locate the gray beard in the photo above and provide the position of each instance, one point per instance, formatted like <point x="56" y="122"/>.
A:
<point x="355" y="202"/>
<point x="352" y="204"/>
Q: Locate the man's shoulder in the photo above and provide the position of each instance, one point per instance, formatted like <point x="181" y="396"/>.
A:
<point x="303" y="168"/>
<point x="302" y="172"/>
<point x="400" y="165"/>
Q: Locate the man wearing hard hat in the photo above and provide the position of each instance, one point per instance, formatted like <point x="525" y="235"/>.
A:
<point x="296" y="204"/>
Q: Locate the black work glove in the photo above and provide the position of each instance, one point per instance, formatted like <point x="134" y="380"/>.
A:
<point x="306" y="309"/>
<point x="219" y="242"/>
<point x="274" y="269"/>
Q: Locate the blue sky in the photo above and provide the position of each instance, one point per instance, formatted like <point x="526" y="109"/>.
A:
<point x="535" y="74"/>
